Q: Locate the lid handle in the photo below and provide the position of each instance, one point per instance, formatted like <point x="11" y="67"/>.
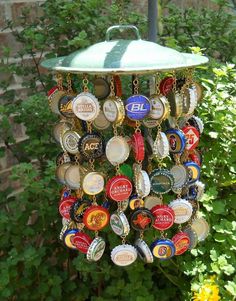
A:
<point x="121" y="28"/>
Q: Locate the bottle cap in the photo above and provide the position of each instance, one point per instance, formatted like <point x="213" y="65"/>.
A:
<point x="141" y="219"/>
<point x="164" y="217"/>
<point x="68" y="236"/>
<point x="181" y="241"/>
<point x="194" y="170"/>
<point x="117" y="150"/>
<point x="101" y="88"/>
<point x="60" y="172"/>
<point x="161" y="180"/>
<point x="96" y="218"/>
<point x="160" y="108"/>
<point x="166" y="85"/>
<point x="201" y="227"/>
<point x="65" y="106"/>
<point x="177" y="140"/>
<point x="137" y="107"/>
<point x="78" y="208"/>
<point x="91" y="145"/>
<point x="123" y="255"/>
<point x="163" y="249"/>
<point x="65" y="205"/>
<point x="151" y="201"/>
<point x="137" y="143"/>
<point x="192" y="137"/>
<point x="70" y="140"/>
<point x="96" y="249"/>
<point x="101" y="123"/>
<point x="72" y="176"/>
<point x="119" y="188"/>
<point x="86" y="106"/>
<point x="181" y="176"/>
<point x="119" y="224"/>
<point x="93" y="183"/>
<point x="81" y="241"/>
<point x="183" y="210"/>
<point x="143" y="251"/>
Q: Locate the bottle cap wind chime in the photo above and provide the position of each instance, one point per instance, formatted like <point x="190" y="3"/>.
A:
<point x="129" y="159"/>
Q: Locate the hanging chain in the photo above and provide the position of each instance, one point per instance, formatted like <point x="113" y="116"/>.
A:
<point x="59" y="79"/>
<point x="123" y="239"/>
<point x="136" y="85"/>
<point x="85" y="84"/>
<point x="118" y="169"/>
<point x="188" y="74"/>
<point x="121" y="10"/>
<point x="89" y="126"/>
<point x="137" y="127"/>
<point x="141" y="235"/>
<point x="157" y="83"/>
<point x="175" y="81"/>
<point x="177" y="159"/>
<point x="91" y="162"/>
<point x="112" y="87"/>
<point x="69" y="83"/>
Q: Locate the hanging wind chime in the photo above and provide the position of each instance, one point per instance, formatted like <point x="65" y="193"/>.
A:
<point x="130" y="160"/>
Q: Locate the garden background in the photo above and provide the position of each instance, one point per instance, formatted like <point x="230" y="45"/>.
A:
<point x="33" y="264"/>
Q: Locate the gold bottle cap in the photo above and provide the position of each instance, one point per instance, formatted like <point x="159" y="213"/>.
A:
<point x="70" y="140"/>
<point x="93" y="183"/>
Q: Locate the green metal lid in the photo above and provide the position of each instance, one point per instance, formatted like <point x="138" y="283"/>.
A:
<point x="124" y="56"/>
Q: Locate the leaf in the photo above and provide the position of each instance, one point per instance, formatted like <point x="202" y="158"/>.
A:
<point x="213" y="135"/>
<point x="231" y="288"/>
<point x="218" y="207"/>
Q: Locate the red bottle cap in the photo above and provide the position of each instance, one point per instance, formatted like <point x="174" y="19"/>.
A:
<point x="81" y="241"/>
<point x="119" y="188"/>
<point x="181" y="241"/>
<point x="118" y="85"/>
<point x="65" y="205"/>
<point x="164" y="217"/>
<point x="138" y="146"/>
<point x="96" y="217"/>
<point x="195" y="157"/>
<point x="52" y="90"/>
<point x="192" y="137"/>
<point x="166" y="85"/>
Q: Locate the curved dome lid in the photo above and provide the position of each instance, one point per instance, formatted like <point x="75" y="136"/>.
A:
<point x="124" y="56"/>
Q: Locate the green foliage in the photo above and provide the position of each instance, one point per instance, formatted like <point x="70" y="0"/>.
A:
<point x="34" y="265"/>
<point x="213" y="30"/>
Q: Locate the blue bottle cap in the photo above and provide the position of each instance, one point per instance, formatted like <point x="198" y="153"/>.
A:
<point x="163" y="248"/>
<point x="137" y="107"/>
<point x="194" y="170"/>
<point x="176" y="140"/>
<point x="67" y="238"/>
<point x="106" y="204"/>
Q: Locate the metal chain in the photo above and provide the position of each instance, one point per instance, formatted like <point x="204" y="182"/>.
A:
<point x="141" y="235"/>
<point x="85" y="84"/>
<point x="137" y="127"/>
<point x="123" y="239"/>
<point x="112" y="87"/>
<point x="89" y="126"/>
<point x="175" y="80"/>
<point x="136" y="85"/>
<point x="157" y="83"/>
<point x="115" y="130"/>
<point x="69" y="83"/>
<point x="121" y="10"/>
<point x="118" y="169"/>
<point x="91" y="162"/>
<point x="59" y="79"/>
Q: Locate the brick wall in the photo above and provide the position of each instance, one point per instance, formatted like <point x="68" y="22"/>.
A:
<point x="12" y="10"/>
